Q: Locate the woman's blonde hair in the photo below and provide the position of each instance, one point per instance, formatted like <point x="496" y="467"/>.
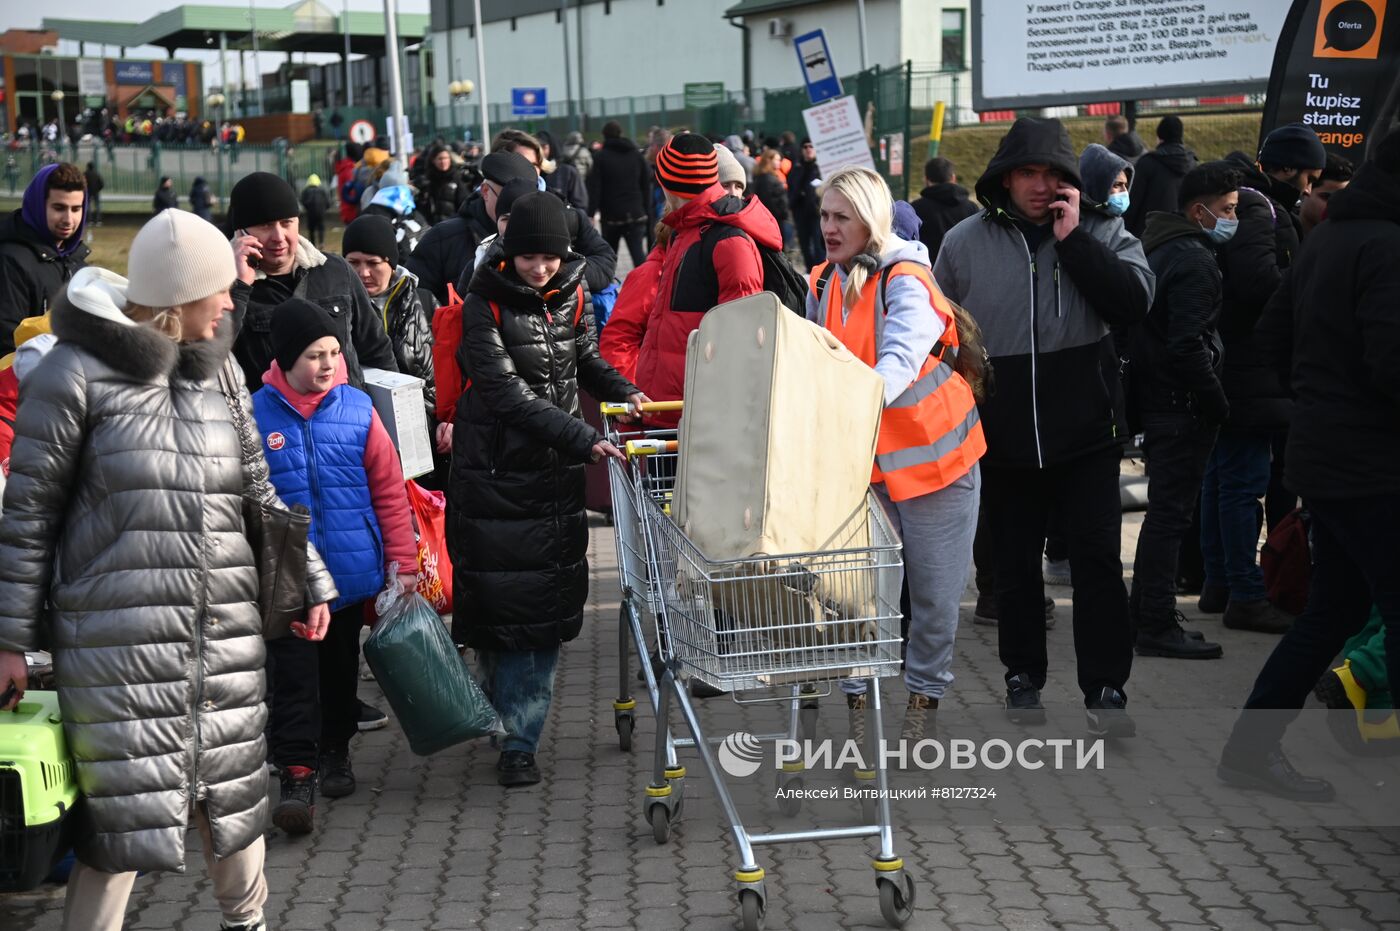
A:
<point x="164" y="320"/>
<point x="873" y="204"/>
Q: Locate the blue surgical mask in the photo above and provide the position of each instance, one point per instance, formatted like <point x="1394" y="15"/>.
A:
<point x="1117" y="204"/>
<point x="1223" y="230"/>
<point x="540" y="182"/>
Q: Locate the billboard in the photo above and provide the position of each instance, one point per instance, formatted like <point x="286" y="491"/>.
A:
<point x="1039" y="53"/>
<point x="1337" y="70"/>
<point x="134" y="72"/>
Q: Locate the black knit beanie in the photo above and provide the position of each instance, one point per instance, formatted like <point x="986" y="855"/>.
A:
<point x="296" y="324"/>
<point x="371" y="234"/>
<point x="504" y="167"/>
<point x="537" y="227"/>
<point x="1293" y="145"/>
<point x="512" y="192"/>
<point x="261" y="197"/>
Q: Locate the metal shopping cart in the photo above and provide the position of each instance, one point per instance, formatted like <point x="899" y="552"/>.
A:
<point x="774" y="628"/>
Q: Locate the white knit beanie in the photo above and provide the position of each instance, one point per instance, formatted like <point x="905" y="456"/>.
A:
<point x="177" y="258"/>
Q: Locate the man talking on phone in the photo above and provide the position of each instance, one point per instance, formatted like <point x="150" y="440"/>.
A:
<point x="1045" y="283"/>
<point x="276" y="263"/>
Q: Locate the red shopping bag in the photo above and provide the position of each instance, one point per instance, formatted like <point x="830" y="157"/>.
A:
<point x="434" y="566"/>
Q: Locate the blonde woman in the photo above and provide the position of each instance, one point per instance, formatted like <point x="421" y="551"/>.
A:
<point x="122" y="548"/>
<point x="875" y="293"/>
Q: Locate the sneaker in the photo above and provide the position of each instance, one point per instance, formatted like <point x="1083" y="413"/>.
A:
<point x="1257" y="615"/>
<point x="1023" y="701"/>
<point x="1107" y="712"/>
<point x="257" y="924"/>
<point x="296" y="812"/>
<point x="1213" y="599"/>
<point x="337" y="778"/>
<point x="920" y="718"/>
<point x="1174" y="642"/>
<point x="371" y="718"/>
<point x="517" y="768"/>
<point x="1272" y="773"/>
<point x="1055" y="572"/>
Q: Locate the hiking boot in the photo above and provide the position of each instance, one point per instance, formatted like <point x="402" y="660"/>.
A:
<point x="855" y="715"/>
<point x="517" y="768"/>
<point x="296" y="812"/>
<point x="920" y="719"/>
<point x="1258" y="615"/>
<point x="985" y="613"/>
<point x="1023" y="701"/>
<point x="371" y="718"/>
<point x="1174" y="642"/>
<point x="1055" y="572"/>
<point x="1272" y="773"/>
<point x="1107" y="712"/>
<point x="1213" y="599"/>
<point x="337" y="778"/>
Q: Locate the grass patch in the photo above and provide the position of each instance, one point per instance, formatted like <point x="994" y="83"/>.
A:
<point x="1211" y="135"/>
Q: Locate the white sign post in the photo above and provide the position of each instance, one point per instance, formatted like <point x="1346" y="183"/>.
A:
<point x="837" y="131"/>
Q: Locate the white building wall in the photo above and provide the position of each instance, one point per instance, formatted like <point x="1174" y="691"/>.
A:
<point x="637" y="49"/>
<point x="774" y="61"/>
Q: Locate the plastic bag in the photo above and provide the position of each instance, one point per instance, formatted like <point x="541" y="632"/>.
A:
<point x="427" y="682"/>
<point x="434" y="565"/>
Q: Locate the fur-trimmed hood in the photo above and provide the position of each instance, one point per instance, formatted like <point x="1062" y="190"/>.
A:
<point x="88" y="313"/>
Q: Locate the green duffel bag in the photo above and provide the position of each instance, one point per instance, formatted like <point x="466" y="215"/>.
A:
<point x="427" y="682"/>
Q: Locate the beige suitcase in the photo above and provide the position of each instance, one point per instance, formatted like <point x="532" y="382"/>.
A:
<point x="776" y="448"/>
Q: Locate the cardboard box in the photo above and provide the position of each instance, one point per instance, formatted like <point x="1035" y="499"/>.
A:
<point x="399" y="400"/>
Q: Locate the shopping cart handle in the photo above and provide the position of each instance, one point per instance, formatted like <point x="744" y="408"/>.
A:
<point x="651" y="447"/>
<point x="622" y="409"/>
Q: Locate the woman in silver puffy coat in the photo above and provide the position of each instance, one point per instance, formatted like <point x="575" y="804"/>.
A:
<point x="122" y="551"/>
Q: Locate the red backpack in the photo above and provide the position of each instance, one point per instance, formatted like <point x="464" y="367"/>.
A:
<point x="1286" y="560"/>
<point x="447" y="337"/>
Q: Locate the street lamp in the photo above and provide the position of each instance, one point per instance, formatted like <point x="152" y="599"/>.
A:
<point x="216" y="101"/>
<point x="460" y="90"/>
<point x="57" y="97"/>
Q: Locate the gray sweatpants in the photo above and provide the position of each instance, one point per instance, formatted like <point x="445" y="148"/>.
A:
<point x="937" y="530"/>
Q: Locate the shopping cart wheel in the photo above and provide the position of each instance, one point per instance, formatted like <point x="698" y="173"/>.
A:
<point x="896" y="899"/>
<point x="787" y="804"/>
<point x="751" y="910"/>
<point x="626" y="723"/>
<point x="660" y="818"/>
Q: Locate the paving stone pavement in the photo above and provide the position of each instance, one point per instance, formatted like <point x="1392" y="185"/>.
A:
<point x="435" y="844"/>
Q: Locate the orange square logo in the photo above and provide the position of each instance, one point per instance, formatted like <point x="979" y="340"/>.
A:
<point x="1349" y="29"/>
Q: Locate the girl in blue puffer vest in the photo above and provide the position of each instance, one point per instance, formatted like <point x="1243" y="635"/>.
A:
<point x="327" y="450"/>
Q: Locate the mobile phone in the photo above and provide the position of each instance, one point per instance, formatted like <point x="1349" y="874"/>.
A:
<point x="252" y="260"/>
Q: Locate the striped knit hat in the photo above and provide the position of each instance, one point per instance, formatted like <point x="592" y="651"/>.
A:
<point x="687" y="165"/>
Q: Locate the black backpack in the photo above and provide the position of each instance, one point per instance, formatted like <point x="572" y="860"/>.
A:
<point x="697" y="285"/>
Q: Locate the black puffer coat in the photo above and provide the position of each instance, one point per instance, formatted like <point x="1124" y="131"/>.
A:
<point x="407" y="313"/>
<point x="443" y="192"/>
<point x="517" y="529"/>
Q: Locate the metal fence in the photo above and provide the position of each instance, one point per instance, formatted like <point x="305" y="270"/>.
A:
<point x="133" y="171"/>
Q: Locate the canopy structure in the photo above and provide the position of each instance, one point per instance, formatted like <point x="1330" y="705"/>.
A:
<point x="304" y="26"/>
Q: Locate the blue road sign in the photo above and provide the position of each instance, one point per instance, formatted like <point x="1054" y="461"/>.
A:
<point x="818" y="73"/>
<point x="529" y="101"/>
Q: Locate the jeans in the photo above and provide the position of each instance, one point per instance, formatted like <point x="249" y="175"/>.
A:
<point x="937" y="531"/>
<point x="520" y="685"/>
<point x="1237" y="476"/>
<point x="312" y="696"/>
<point x="1355" y="555"/>
<point x="634" y="233"/>
<point x="1177" y="447"/>
<point x="1085" y="493"/>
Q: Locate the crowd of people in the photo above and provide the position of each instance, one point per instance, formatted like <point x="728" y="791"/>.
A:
<point x="1239" y="316"/>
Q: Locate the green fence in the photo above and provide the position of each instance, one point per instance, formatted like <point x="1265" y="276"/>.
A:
<point x="132" y="172"/>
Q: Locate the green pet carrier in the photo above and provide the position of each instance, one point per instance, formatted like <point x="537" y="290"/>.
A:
<point x="38" y="791"/>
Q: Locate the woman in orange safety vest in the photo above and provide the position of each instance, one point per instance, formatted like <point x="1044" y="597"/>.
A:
<point x="876" y="294"/>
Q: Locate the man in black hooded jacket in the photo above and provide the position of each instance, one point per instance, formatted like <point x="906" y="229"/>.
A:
<point x="942" y="205"/>
<point x="1045" y="282"/>
<point x="1159" y="175"/>
<point x="1334" y="325"/>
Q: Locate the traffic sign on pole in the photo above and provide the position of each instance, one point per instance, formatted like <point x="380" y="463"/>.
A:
<point x="529" y="101"/>
<point x="818" y="73"/>
<point x="362" y="131"/>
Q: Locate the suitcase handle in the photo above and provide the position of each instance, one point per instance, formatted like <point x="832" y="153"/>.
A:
<point x="622" y="409"/>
